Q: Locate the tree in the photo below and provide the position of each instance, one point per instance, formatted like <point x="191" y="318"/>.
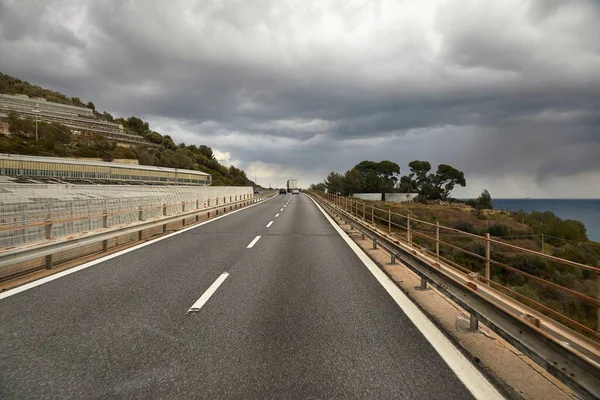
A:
<point x="146" y="158"/>
<point x="388" y="172"/>
<point x="137" y="125"/>
<point x="206" y="151"/>
<point x="445" y="179"/>
<point x="484" y="201"/>
<point x="334" y="182"/>
<point x="407" y="184"/>
<point x="369" y="178"/>
<point x="108" y="117"/>
<point x="91" y="105"/>
<point x="419" y="170"/>
<point x="59" y="134"/>
<point x="351" y="182"/>
<point x="168" y="143"/>
<point x="20" y="127"/>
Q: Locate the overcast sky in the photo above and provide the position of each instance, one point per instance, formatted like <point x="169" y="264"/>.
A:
<point x="507" y="91"/>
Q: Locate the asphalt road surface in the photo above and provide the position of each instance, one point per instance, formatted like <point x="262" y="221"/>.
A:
<point x="298" y="316"/>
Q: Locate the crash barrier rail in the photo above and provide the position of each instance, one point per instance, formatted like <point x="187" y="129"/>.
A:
<point x="388" y="219"/>
<point x="25" y="209"/>
<point x="47" y="253"/>
<point x="572" y="357"/>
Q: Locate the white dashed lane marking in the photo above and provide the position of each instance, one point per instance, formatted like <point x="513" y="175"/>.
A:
<point x="209" y="292"/>
<point x="253" y="242"/>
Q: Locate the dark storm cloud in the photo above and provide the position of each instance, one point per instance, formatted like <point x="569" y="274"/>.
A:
<point x="503" y="89"/>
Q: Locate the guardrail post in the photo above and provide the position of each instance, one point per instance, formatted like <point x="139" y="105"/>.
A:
<point x="374" y="243"/>
<point x="408" y="228"/>
<point x="197" y="207"/>
<point x="437" y="239"/>
<point x="473" y="322"/>
<point x="105" y="225"/>
<point x="487" y="258"/>
<point x="363" y="217"/>
<point x="392" y="258"/>
<point x="140" y="218"/>
<point x="49" y="261"/>
<point x="423" y="285"/>
<point x="217" y="209"/>
<point x="390" y="220"/>
<point x="164" y="227"/>
<point x="362" y="235"/>
<point x="373" y="214"/>
<point x="48" y="228"/>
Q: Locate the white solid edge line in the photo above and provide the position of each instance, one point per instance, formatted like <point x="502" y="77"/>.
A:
<point x="69" y="271"/>
<point x="269" y="224"/>
<point x="470" y="376"/>
<point x="209" y="292"/>
<point x="253" y="242"/>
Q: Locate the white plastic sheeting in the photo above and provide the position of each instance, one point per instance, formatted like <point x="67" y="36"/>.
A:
<point x="75" y="209"/>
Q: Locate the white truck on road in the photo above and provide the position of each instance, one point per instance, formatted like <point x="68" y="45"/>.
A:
<point x="292" y="184"/>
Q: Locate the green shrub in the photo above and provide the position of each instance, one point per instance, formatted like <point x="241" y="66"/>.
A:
<point x="465" y="226"/>
<point x="499" y="230"/>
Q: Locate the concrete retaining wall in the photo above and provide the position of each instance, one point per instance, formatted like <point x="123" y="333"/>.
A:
<point x="368" y="196"/>
<point x="393" y="197"/>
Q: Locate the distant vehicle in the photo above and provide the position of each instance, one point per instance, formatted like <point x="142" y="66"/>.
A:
<point x="282" y="191"/>
<point x="256" y="191"/>
<point x="295" y="191"/>
<point x="292" y="184"/>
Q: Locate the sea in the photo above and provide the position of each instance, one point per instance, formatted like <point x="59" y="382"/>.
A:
<point x="584" y="210"/>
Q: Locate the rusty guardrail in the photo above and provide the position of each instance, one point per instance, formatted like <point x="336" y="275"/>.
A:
<point x="566" y="353"/>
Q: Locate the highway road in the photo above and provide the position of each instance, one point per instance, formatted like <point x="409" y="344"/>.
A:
<point x="267" y="302"/>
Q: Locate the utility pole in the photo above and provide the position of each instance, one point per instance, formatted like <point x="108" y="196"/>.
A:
<point x="542" y="242"/>
<point x="36" y="120"/>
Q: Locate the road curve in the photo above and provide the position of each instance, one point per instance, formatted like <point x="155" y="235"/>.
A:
<point x="295" y="315"/>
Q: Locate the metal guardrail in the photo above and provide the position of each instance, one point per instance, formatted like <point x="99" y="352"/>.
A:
<point x="566" y="354"/>
<point x="51" y="246"/>
<point x="385" y="218"/>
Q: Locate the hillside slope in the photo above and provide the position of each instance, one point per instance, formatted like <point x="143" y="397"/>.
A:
<point x="57" y="140"/>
